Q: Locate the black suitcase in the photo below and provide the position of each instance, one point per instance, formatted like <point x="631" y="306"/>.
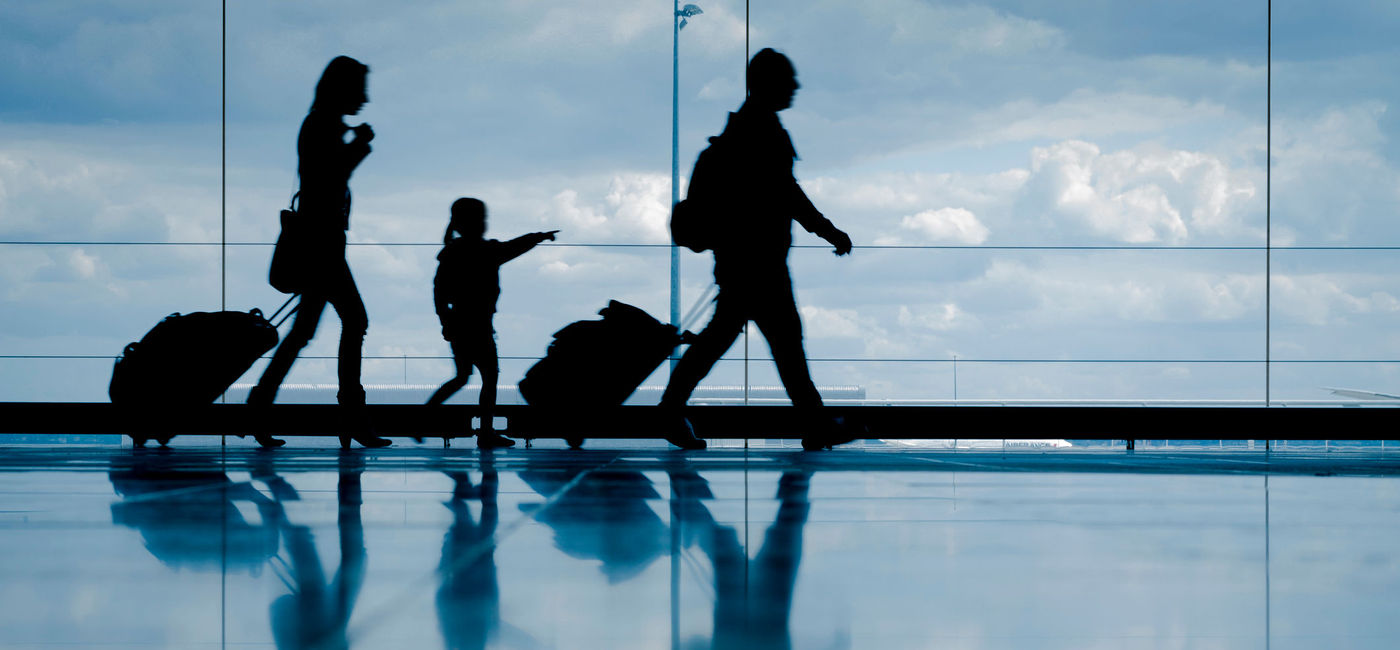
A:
<point x="191" y="359"/>
<point x="595" y="363"/>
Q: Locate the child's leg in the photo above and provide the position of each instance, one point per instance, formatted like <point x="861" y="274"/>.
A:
<point x="488" y="362"/>
<point x="464" y="372"/>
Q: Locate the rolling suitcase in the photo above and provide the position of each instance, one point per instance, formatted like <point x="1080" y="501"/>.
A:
<point x="597" y="363"/>
<point x="191" y="359"/>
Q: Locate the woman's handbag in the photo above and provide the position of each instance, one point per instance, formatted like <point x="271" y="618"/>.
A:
<point x="291" y="257"/>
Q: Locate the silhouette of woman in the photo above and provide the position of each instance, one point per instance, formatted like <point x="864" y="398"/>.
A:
<point x="325" y="163"/>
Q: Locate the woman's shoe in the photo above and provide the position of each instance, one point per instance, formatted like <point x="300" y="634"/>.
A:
<point x="492" y="440"/>
<point x="681" y="434"/>
<point x="373" y="442"/>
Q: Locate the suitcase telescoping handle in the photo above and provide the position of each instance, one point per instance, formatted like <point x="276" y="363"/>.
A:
<point x="698" y="309"/>
<point x="287" y="315"/>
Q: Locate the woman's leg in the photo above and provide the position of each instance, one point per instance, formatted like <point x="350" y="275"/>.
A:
<point x="344" y="296"/>
<point x="303" y="328"/>
<point x="304" y="325"/>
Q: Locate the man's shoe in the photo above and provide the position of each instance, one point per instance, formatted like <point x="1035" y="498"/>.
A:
<point x="492" y="440"/>
<point x="367" y="441"/>
<point x="836" y="431"/>
<point x="269" y="442"/>
<point x="682" y="435"/>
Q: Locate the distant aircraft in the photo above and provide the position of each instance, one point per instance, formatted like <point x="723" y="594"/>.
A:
<point x="1360" y="394"/>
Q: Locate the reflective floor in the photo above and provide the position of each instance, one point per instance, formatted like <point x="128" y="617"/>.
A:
<point x="646" y="548"/>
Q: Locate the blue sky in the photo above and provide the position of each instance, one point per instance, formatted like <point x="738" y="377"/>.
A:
<point x="980" y="124"/>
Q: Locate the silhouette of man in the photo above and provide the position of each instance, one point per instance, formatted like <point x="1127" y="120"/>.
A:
<point x="465" y="291"/>
<point x="753" y="598"/>
<point x="751" y="257"/>
<point x="325" y="163"/>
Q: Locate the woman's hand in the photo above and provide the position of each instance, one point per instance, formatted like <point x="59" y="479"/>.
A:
<point x="363" y="133"/>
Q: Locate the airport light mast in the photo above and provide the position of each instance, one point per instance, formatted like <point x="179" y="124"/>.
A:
<point x="678" y="22"/>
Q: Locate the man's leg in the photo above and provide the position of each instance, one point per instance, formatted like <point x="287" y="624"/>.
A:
<point x="710" y="344"/>
<point x="782" y="327"/>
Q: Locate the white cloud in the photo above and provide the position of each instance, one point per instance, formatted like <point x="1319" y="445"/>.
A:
<point x="820" y="322"/>
<point x="1145" y="195"/>
<point x="1103" y="194"/>
<point x="946" y="225"/>
<point x="635" y="208"/>
<point x="1324" y="299"/>
<point x="1087" y="113"/>
<point x="970" y="30"/>
<point x="1332" y="181"/>
<point x="940" y="318"/>
<point x="1072" y="192"/>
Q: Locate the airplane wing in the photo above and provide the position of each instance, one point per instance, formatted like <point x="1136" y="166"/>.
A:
<point x="1360" y="394"/>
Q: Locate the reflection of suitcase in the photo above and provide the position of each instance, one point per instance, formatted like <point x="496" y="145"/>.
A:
<point x="596" y="363"/>
<point x="191" y="359"/>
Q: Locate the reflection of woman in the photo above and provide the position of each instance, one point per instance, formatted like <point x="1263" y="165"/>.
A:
<point x="317" y="612"/>
<point x="325" y="163"/>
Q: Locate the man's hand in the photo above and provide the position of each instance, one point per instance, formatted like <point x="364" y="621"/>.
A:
<point x="840" y="240"/>
<point x="547" y="236"/>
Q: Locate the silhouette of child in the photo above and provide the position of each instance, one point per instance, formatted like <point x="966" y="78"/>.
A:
<point x="465" y="290"/>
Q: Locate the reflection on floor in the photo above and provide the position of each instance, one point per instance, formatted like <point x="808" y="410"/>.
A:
<point x="647" y="548"/>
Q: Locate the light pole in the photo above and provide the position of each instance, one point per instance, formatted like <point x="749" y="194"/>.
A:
<point x="678" y="21"/>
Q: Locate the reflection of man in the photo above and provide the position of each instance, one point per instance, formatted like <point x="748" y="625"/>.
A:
<point x="317" y="612"/>
<point x="751" y="256"/>
<point x="753" y="598"/>
<point x="469" y="598"/>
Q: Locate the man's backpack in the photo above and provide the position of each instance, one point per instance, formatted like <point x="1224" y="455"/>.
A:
<point x="697" y="222"/>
